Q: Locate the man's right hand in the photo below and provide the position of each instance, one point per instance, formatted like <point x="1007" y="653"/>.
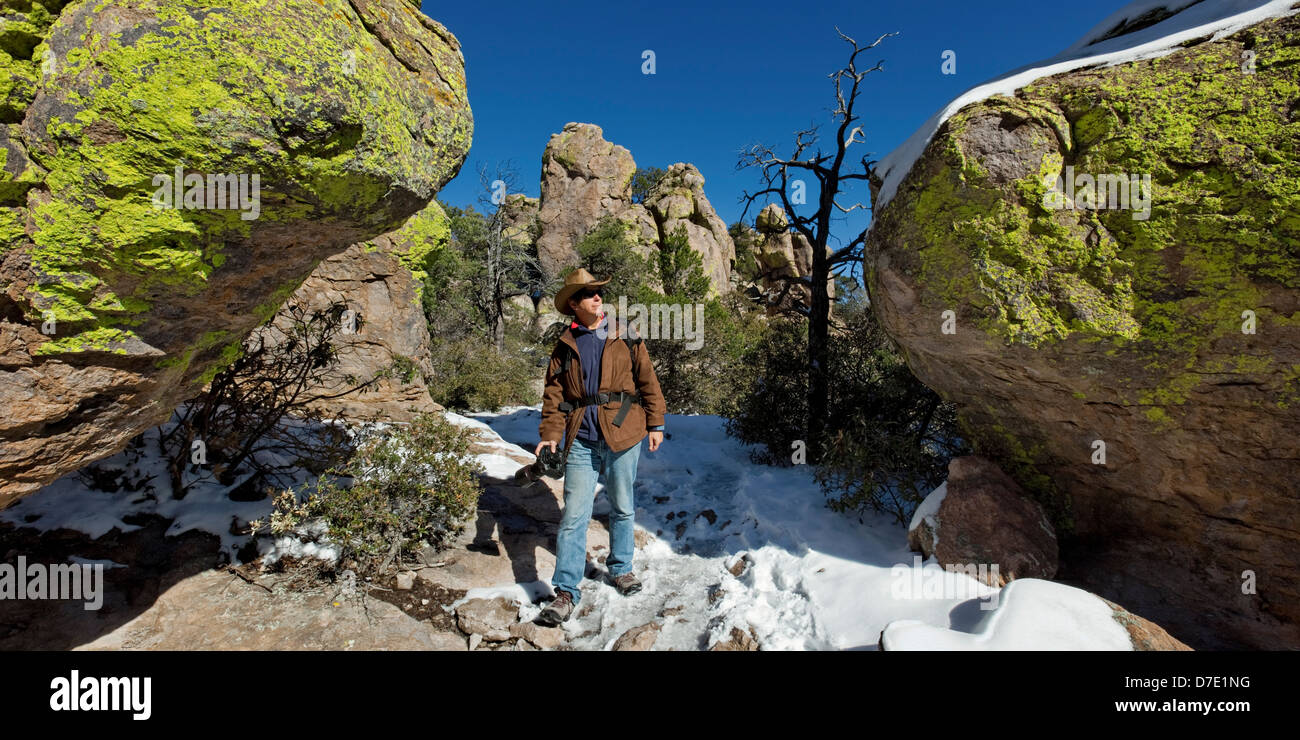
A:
<point x="542" y="444"/>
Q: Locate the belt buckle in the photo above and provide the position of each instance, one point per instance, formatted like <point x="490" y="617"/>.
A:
<point x="603" y="398"/>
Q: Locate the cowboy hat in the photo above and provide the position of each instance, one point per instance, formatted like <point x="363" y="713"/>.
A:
<point x="574" y="282"/>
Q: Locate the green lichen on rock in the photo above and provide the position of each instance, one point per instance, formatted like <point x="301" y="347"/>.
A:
<point x="1031" y="274"/>
<point x="419" y="238"/>
<point x="313" y="108"/>
<point x="1221" y="230"/>
<point x="93" y="340"/>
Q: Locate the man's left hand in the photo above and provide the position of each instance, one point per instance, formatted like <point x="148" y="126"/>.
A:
<point x="656" y="439"/>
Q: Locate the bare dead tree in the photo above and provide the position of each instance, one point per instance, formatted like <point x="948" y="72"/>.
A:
<point x="507" y="264"/>
<point x="829" y="168"/>
<point x="279" y="373"/>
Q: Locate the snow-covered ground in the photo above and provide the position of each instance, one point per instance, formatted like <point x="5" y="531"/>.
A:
<point x="814" y="579"/>
<point x="1191" y="20"/>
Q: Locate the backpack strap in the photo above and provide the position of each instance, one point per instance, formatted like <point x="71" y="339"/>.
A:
<point x="566" y="357"/>
<point x="631" y="342"/>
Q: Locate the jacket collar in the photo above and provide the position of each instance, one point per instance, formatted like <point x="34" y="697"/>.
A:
<point x="615" y="332"/>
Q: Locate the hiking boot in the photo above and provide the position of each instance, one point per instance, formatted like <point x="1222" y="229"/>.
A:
<point x="627" y="584"/>
<point x="558" y="611"/>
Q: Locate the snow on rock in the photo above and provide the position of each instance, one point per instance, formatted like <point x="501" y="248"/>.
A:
<point x="1033" y="615"/>
<point x="69" y="503"/>
<point x="923" y="530"/>
<point x="1190" y="20"/>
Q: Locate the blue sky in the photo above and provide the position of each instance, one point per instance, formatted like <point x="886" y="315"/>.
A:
<point x="727" y="75"/>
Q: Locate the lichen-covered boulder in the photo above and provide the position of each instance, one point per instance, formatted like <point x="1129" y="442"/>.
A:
<point x="1130" y="353"/>
<point x="172" y="172"/>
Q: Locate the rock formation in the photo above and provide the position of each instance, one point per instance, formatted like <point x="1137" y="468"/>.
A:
<point x="173" y="172"/>
<point x="379" y="280"/>
<point x="585" y="178"/>
<point x="678" y="201"/>
<point x="1135" y="365"/>
<point x="780" y="253"/>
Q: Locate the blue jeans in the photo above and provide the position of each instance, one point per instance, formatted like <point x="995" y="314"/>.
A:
<point x="586" y="461"/>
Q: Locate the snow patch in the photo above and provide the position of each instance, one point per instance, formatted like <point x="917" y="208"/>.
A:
<point x="1033" y="615"/>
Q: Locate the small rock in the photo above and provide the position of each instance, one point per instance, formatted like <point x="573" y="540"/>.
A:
<point x="661" y="499"/>
<point x="739" y="567"/>
<point x="708" y="514"/>
<point x="405" y="580"/>
<point x="474" y="640"/>
<point x="671" y="611"/>
<point x="681" y="530"/>
<point x="490" y="618"/>
<point x="738" y="641"/>
<point x="524" y="645"/>
<point x="985" y="519"/>
<point x="546" y="638"/>
<point x="638" y="638"/>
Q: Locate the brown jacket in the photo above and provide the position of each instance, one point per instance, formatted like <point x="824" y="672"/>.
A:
<point x="615" y="375"/>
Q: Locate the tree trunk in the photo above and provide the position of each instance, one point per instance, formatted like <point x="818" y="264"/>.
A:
<point x="818" y="354"/>
<point x="499" y="328"/>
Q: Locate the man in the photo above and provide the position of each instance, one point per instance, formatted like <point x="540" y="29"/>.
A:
<point x="602" y="377"/>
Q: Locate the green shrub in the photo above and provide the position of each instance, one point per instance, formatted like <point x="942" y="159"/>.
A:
<point x="643" y="181"/>
<point x="411" y="486"/>
<point x="606" y="252"/>
<point x="681" y="269"/>
<point x="772" y="412"/>
<point x="469" y="374"/>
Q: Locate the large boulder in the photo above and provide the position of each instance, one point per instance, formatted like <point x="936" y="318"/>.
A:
<point x="1134" y="366"/>
<point x="385" y="337"/>
<point x="296" y="129"/>
<point x="982" y="518"/>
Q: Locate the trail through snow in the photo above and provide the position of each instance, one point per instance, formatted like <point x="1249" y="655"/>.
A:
<point x="814" y="579"/>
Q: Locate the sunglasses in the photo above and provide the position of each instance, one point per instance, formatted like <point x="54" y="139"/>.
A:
<point x="583" y="295"/>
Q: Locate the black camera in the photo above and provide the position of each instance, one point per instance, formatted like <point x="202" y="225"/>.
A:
<point x="550" y="463"/>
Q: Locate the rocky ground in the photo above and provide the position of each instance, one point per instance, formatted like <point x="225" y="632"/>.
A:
<point x="176" y="593"/>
